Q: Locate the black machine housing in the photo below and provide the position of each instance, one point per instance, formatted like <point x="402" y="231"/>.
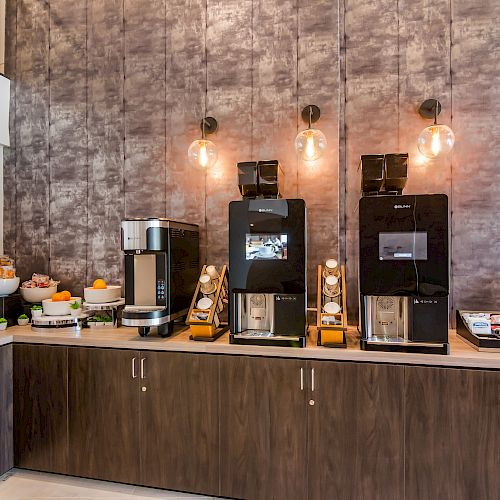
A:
<point x="278" y="273"/>
<point x="403" y="249"/>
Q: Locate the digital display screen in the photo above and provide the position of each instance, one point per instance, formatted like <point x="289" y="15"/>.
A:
<point x="402" y="246"/>
<point x="266" y="247"/>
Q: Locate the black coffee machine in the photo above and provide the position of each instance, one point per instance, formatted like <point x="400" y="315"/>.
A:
<point x="267" y="261"/>
<point x="404" y="273"/>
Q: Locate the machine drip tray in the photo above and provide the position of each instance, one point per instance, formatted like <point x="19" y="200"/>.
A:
<point x="397" y="344"/>
<point x="259" y="337"/>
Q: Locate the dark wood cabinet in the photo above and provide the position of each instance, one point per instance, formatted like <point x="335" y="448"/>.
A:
<point x="452" y="433"/>
<point x="179" y="421"/>
<point x="355" y="431"/>
<point x="251" y="427"/>
<point x="6" y="403"/>
<point x="263" y="416"/>
<point x="104" y="420"/>
<point x="40" y="407"/>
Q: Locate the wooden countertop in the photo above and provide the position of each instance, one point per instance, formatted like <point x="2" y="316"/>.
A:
<point x="461" y="355"/>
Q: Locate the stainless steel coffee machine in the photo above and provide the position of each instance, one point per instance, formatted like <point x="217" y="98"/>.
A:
<point x="404" y="273"/>
<point x="267" y="261"/>
<point x="161" y="270"/>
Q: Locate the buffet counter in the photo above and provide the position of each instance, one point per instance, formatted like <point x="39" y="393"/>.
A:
<point x="461" y="354"/>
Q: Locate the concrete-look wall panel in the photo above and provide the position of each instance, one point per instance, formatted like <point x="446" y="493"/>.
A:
<point x="274" y="93"/>
<point x="9" y="167"/>
<point x="185" y="105"/>
<point x="319" y="83"/>
<point x="68" y="144"/>
<point x="371" y="30"/>
<point x="105" y="120"/>
<point x="145" y="108"/>
<point x="129" y="83"/>
<point x="32" y="137"/>
<point x="229" y="48"/>
<point x="475" y="60"/>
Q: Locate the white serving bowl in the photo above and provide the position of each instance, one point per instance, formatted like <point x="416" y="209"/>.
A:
<point x="60" y="308"/>
<point x="9" y="285"/>
<point x="36" y="295"/>
<point x="102" y="295"/>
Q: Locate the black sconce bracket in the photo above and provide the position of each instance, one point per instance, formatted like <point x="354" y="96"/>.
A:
<point x="430" y="109"/>
<point x="208" y="126"/>
<point x="310" y="114"/>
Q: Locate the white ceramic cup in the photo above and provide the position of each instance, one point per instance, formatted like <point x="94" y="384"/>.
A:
<point x="206" y="285"/>
<point x="331" y="287"/>
<point x="331" y="268"/>
<point x="332" y="308"/>
<point x="204" y="303"/>
<point x="212" y="272"/>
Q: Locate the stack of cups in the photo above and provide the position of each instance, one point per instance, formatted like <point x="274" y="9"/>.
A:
<point x="331" y="287"/>
<point x="208" y="287"/>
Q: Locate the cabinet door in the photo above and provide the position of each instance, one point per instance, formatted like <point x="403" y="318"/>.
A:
<point x="452" y="433"/>
<point x="263" y="428"/>
<point x="179" y="421"/>
<point x="104" y="425"/>
<point x="355" y="443"/>
<point x="6" y="441"/>
<point x="41" y="407"/>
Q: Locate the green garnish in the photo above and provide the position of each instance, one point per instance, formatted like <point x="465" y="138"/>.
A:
<point x="75" y="305"/>
<point x="36" y="308"/>
<point x="3" y="320"/>
<point x="23" y="316"/>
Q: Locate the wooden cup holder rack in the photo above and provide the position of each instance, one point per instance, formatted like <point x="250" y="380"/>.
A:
<point x="331" y="327"/>
<point x="206" y="325"/>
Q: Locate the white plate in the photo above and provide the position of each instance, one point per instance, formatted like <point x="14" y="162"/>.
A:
<point x="331" y="308"/>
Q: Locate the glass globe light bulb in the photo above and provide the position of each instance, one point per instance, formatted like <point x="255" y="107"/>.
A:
<point x="310" y="144"/>
<point x="202" y="154"/>
<point x="436" y="140"/>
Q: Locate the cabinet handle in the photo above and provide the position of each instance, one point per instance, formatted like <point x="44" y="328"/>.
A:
<point x="143" y="374"/>
<point x="302" y="379"/>
<point x="312" y="379"/>
<point x="134" y="374"/>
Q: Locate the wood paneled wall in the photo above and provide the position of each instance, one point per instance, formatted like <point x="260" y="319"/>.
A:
<point x="108" y="94"/>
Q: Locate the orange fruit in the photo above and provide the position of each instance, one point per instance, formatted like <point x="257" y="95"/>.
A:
<point x="65" y="295"/>
<point x="57" y="297"/>
<point x="99" y="284"/>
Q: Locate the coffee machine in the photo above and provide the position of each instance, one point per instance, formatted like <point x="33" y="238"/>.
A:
<point x="267" y="261"/>
<point x="161" y="271"/>
<point x="404" y="273"/>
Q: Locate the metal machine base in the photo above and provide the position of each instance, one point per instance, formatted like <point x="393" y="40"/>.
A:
<point x="164" y="330"/>
<point x="146" y="317"/>
<point x="415" y="347"/>
<point x="267" y="339"/>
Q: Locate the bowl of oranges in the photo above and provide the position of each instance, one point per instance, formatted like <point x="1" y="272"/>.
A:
<point x="102" y="293"/>
<point x="62" y="304"/>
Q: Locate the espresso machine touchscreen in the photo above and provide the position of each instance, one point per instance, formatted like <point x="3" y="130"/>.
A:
<point x="404" y="273"/>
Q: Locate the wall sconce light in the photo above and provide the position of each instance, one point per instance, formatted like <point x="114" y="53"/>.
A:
<point x="436" y="140"/>
<point x="310" y="143"/>
<point x="202" y="153"/>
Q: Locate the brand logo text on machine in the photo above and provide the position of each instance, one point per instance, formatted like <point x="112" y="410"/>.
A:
<point x="402" y="206"/>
